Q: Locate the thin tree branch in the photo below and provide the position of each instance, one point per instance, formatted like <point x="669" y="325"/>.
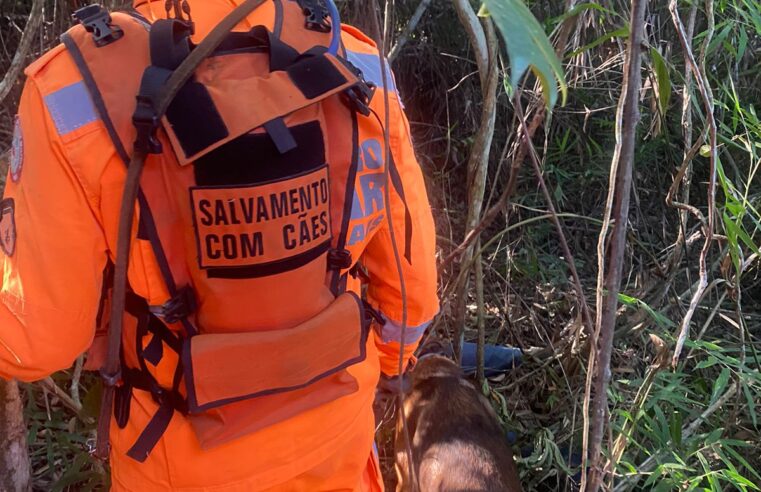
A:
<point x="67" y="401"/>
<point x="476" y="35"/>
<point x="554" y="216"/>
<point x="408" y="30"/>
<point x="610" y="265"/>
<point x="33" y="24"/>
<point x="707" y="97"/>
<point x="75" y="377"/>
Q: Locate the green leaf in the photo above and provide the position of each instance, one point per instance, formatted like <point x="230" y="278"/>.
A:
<point x="663" y="79"/>
<point x="660" y="319"/>
<point x="528" y="46"/>
<point x="675" y="427"/>
<point x="720" y="384"/>
<point x="740" y="459"/>
<point x="581" y="8"/>
<point x="710" y="361"/>
<point x="621" y="32"/>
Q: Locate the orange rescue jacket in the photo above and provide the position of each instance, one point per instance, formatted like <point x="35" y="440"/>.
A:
<point x="245" y="364"/>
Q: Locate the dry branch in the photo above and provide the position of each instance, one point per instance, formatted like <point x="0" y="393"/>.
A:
<point x="569" y="258"/>
<point x="610" y="251"/>
<point x="408" y="30"/>
<point x="22" y="52"/>
<point x="707" y="97"/>
<point x="67" y="401"/>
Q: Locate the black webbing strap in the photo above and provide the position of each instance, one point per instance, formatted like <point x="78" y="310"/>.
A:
<point x="169" y="42"/>
<point x="111" y="371"/>
<point x="280" y="134"/>
<point x="168" y="400"/>
<point x="152" y="432"/>
<point x="396" y="181"/>
<point x="282" y="55"/>
<point x="337" y="281"/>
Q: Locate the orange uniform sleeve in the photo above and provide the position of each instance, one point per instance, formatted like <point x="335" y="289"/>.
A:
<point x="419" y="272"/>
<point x="53" y="252"/>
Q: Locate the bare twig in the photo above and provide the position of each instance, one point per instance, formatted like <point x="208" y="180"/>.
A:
<point x="50" y="385"/>
<point x="408" y="30"/>
<point x="610" y="265"/>
<point x="687" y="137"/>
<point x="494" y="211"/>
<point x="553" y="214"/>
<point x="75" y="377"/>
<point x="707" y="97"/>
<point x="33" y="24"/>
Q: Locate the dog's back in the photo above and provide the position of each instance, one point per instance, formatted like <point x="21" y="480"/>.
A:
<point x="457" y="442"/>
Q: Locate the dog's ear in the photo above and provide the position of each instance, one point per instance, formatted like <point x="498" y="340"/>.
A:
<point x="435" y="366"/>
<point x="436" y="346"/>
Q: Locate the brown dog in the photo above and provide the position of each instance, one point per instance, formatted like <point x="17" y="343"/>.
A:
<point x="457" y="442"/>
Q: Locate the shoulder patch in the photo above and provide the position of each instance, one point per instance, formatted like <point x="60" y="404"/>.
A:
<point x="17" y="150"/>
<point x="7" y="226"/>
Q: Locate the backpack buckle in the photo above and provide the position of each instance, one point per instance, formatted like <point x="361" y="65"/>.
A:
<point x="146" y="123"/>
<point x="316" y="15"/>
<point x="360" y="94"/>
<point x="372" y="315"/>
<point x="97" y="21"/>
<point x="359" y="97"/>
<point x="339" y="259"/>
<point x="178" y="307"/>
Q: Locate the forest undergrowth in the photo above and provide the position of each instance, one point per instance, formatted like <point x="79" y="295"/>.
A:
<point x="685" y="424"/>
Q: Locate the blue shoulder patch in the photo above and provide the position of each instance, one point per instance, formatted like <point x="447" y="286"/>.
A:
<point x="370" y="67"/>
<point x="71" y="108"/>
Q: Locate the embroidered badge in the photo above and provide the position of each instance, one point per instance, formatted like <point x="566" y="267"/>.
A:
<point x="7" y="227"/>
<point x="17" y="151"/>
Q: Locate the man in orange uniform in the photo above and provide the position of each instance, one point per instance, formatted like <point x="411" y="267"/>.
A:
<point x="58" y="230"/>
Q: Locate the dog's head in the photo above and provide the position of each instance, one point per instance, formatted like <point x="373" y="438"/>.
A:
<point x="435" y="366"/>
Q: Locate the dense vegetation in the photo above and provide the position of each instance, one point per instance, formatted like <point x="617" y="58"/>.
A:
<point x="684" y="426"/>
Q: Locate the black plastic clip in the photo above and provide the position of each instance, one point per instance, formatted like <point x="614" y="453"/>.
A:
<point x="178" y="307"/>
<point x="146" y="122"/>
<point x="316" y="14"/>
<point x="372" y="314"/>
<point x="97" y="21"/>
<point x="360" y="95"/>
<point x="339" y="259"/>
